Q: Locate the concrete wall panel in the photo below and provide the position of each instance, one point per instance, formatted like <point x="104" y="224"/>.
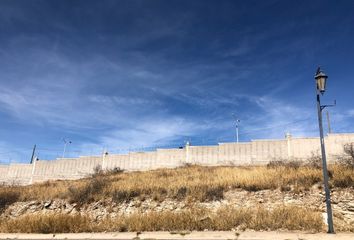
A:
<point x="266" y="151"/>
<point x="4" y="169"/>
<point x="169" y="158"/>
<point x="19" y="173"/>
<point x="204" y="155"/>
<point x="234" y="153"/>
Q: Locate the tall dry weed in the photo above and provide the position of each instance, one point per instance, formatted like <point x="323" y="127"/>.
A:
<point x="52" y="223"/>
<point x="225" y="219"/>
<point x="193" y="183"/>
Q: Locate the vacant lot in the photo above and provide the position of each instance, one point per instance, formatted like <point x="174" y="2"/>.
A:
<point x="188" y="184"/>
<point x="191" y="182"/>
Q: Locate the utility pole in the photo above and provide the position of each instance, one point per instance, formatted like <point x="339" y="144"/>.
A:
<point x="329" y="123"/>
<point x="33" y="152"/>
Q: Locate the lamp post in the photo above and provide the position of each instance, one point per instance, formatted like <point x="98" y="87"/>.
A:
<point x="237" y="122"/>
<point x="66" y="142"/>
<point x="321" y="79"/>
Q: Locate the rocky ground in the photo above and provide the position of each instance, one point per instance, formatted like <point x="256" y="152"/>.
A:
<point x="342" y="200"/>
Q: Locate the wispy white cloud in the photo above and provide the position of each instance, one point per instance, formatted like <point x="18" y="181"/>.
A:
<point x="153" y="132"/>
<point x="351" y="113"/>
<point x="122" y="101"/>
<point x="275" y="117"/>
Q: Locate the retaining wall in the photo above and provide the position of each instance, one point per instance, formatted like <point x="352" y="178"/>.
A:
<point x="257" y="152"/>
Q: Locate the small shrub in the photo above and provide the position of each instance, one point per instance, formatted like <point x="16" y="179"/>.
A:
<point x="343" y="176"/>
<point x="348" y="160"/>
<point x="159" y="194"/>
<point x="315" y="161"/>
<point x="188" y="165"/>
<point x="253" y="187"/>
<point x="181" y="193"/>
<point x="275" y="164"/>
<point x="116" y="170"/>
<point x="97" y="171"/>
<point x="330" y="173"/>
<point x="7" y="197"/>
<point x="349" y="149"/>
<point x="285" y="188"/>
<point x="204" y="193"/>
<point x="120" y="196"/>
<point x="85" y="194"/>
<point x="295" y="164"/>
<point x="214" y="193"/>
<point x="343" y="181"/>
<point x="306" y="181"/>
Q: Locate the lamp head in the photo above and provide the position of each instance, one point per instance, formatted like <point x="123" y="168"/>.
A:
<point x="321" y="79"/>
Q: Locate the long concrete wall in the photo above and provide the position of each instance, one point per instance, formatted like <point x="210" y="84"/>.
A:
<point x="256" y="152"/>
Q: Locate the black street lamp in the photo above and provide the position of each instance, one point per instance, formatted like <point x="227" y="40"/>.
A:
<point x="321" y="79"/>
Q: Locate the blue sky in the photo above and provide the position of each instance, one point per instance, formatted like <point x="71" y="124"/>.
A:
<point x="143" y="74"/>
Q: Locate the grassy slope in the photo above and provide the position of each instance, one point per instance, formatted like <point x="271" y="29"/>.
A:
<point x="191" y="183"/>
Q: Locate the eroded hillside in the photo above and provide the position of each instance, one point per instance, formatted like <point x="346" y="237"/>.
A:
<point x="278" y="196"/>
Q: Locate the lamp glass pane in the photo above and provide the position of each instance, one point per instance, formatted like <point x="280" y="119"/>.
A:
<point x="321" y="84"/>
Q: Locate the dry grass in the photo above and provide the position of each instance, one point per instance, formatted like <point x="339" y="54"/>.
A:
<point x="54" y="223"/>
<point x="8" y="195"/>
<point x="85" y="193"/>
<point x="227" y="218"/>
<point x="193" y="183"/>
<point x="343" y="177"/>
